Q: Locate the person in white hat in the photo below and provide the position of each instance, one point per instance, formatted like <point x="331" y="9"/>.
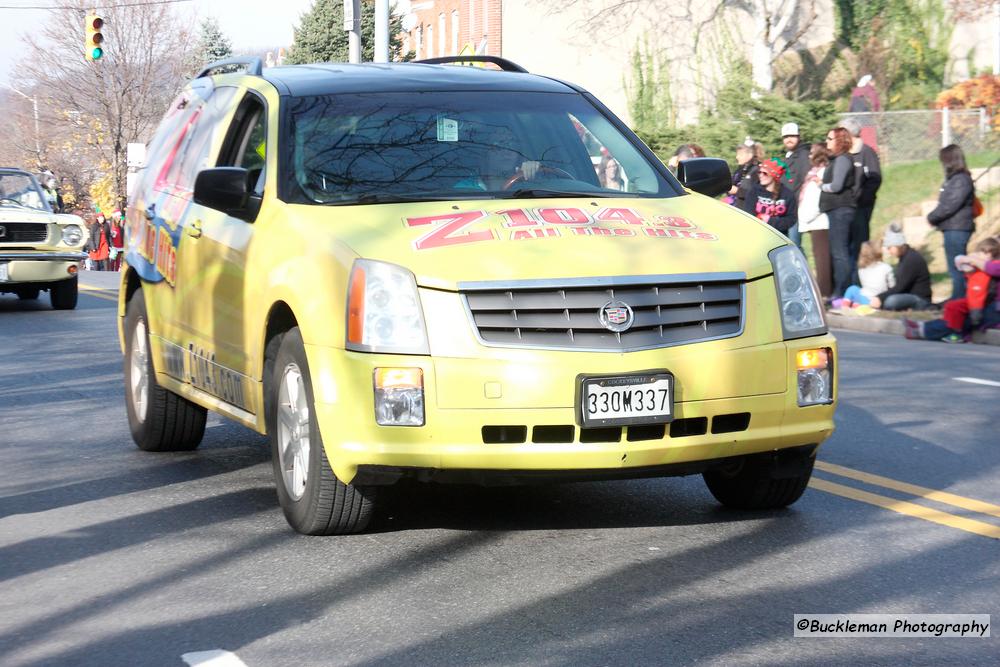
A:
<point x="912" y="290"/>
<point x="797" y="161"/>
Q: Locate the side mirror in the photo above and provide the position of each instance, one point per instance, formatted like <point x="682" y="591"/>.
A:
<point x="708" y="175"/>
<point x="225" y="189"/>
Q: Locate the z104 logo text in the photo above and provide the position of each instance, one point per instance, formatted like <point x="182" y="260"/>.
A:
<point x="450" y="229"/>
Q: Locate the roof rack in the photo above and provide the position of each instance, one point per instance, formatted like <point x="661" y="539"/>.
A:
<point x="502" y="63"/>
<point x="252" y="65"/>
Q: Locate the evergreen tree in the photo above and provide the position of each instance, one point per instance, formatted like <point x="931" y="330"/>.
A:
<point x="212" y="42"/>
<point x="320" y="36"/>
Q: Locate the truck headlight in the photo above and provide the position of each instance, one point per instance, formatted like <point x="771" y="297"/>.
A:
<point x="815" y="376"/>
<point x="798" y="296"/>
<point x="383" y="310"/>
<point x="72" y="234"/>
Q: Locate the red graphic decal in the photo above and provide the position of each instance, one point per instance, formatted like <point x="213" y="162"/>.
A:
<point x="680" y="234"/>
<point x="673" y="221"/>
<point x="447" y="233"/>
<point x="625" y="215"/>
<point x="604" y="231"/>
<point x="517" y="217"/>
<point x="564" y="216"/>
<point x="524" y="234"/>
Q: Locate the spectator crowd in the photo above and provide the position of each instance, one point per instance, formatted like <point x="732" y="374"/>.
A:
<point x="828" y="190"/>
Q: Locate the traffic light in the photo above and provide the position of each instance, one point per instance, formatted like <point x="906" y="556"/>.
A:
<point x="92" y="48"/>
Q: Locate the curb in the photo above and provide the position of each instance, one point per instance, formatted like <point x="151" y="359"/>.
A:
<point x="895" y="327"/>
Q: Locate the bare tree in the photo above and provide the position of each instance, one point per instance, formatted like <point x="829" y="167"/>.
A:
<point x="118" y="99"/>
<point x="777" y="25"/>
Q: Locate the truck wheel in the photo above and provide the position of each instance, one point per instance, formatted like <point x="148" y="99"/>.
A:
<point x="160" y="420"/>
<point x="28" y="293"/>
<point x="315" y="502"/>
<point x="63" y="294"/>
<point x="751" y="486"/>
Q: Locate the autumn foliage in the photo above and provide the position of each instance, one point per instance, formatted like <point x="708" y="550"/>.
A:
<point x="981" y="91"/>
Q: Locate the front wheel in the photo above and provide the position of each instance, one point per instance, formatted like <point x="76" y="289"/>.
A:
<point x="160" y="420"/>
<point x="63" y="294"/>
<point x="751" y="485"/>
<point x="314" y="501"/>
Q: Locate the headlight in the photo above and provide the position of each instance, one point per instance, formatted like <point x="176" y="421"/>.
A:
<point x="72" y="234"/>
<point x="383" y="310"/>
<point x="798" y="297"/>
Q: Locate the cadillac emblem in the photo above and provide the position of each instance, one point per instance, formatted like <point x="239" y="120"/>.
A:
<point x="616" y="316"/>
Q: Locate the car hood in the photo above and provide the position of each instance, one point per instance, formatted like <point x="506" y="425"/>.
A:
<point x="446" y="244"/>
<point x="14" y="214"/>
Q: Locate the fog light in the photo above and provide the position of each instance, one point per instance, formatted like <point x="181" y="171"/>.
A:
<point x="815" y="376"/>
<point x="399" y="397"/>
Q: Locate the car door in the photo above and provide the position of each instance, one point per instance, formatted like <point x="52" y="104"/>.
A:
<point x="218" y="354"/>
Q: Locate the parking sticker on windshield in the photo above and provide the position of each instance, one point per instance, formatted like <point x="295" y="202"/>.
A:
<point x="447" y="129"/>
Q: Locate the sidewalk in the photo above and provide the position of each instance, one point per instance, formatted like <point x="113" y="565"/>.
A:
<point x="884" y="325"/>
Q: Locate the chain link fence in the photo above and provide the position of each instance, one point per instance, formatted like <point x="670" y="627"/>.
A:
<point x="906" y="136"/>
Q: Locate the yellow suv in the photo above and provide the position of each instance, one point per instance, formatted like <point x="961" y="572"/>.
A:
<point x="459" y="274"/>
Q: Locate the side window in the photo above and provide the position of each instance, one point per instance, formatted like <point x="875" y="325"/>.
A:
<point x="193" y="148"/>
<point x="246" y="142"/>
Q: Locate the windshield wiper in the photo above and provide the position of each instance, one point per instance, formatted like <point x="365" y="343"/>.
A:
<point x="388" y="198"/>
<point x="543" y="193"/>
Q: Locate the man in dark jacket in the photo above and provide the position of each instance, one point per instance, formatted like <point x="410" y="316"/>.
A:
<point x="798" y="165"/>
<point x="867" y="180"/>
<point x="913" y="281"/>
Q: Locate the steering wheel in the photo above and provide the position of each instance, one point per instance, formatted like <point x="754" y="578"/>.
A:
<point x="555" y="171"/>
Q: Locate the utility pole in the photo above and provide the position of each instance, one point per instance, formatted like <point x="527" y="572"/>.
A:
<point x="381" y="31"/>
<point x="34" y="106"/>
<point x="352" y="24"/>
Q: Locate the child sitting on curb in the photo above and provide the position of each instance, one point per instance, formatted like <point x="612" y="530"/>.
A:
<point x="876" y="277"/>
<point x="977" y="309"/>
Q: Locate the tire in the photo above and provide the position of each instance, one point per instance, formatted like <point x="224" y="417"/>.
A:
<point x="160" y="420"/>
<point x="751" y="486"/>
<point x="28" y="293"/>
<point x="63" y="294"/>
<point x="314" y="501"/>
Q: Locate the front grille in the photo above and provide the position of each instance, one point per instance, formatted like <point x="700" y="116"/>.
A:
<point x="665" y="314"/>
<point x="23" y="232"/>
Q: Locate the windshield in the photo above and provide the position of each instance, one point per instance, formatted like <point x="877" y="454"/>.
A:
<point x="20" y="190"/>
<point x="379" y="147"/>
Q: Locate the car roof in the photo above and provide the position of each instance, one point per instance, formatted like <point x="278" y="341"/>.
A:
<point x="328" y="78"/>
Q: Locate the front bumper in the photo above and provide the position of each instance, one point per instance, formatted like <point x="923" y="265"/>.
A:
<point x="454" y="439"/>
<point x="40" y="267"/>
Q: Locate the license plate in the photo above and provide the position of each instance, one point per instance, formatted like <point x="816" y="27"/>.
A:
<point x="4" y="274"/>
<point x="627" y="400"/>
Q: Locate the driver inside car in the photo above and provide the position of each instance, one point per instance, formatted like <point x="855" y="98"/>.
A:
<point x="501" y="166"/>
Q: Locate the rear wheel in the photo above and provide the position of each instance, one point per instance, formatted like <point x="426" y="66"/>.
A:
<point x="63" y="294"/>
<point x="752" y="485"/>
<point x="160" y="420"/>
<point x="314" y="501"/>
<point x="28" y="293"/>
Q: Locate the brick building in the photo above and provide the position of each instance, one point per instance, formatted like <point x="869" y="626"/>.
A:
<point x="448" y="27"/>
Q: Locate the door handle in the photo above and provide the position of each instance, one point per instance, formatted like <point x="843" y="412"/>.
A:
<point x="193" y="229"/>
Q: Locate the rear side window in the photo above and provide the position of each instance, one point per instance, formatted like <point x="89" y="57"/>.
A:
<point x="189" y="153"/>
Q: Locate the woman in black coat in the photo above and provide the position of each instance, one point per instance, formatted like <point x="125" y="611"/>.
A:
<point x="953" y="214"/>
<point x="838" y="199"/>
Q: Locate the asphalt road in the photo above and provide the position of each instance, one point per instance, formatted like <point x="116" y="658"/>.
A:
<point x="112" y="556"/>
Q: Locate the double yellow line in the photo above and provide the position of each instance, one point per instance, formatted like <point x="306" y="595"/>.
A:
<point x="906" y="507"/>
<point x="107" y="295"/>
